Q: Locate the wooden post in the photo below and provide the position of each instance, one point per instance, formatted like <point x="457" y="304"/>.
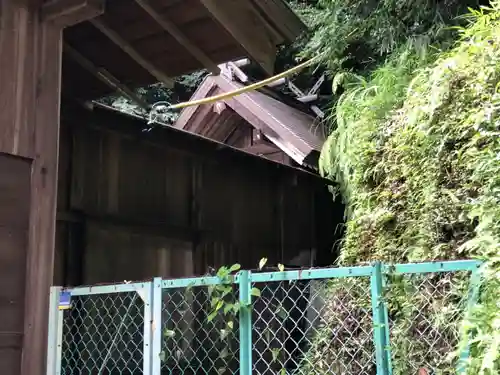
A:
<point x="30" y="70"/>
<point x="30" y="75"/>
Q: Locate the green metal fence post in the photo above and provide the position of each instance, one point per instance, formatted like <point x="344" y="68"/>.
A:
<point x="146" y="294"/>
<point x="156" y="326"/>
<point x="474" y="286"/>
<point x="387" y="331"/>
<point x="245" y="281"/>
<point x="54" y="348"/>
<point x="380" y="323"/>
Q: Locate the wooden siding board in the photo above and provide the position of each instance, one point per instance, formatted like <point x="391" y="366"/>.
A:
<point x="116" y="254"/>
<point x="14" y="191"/>
<point x="17" y="71"/>
<point x="14" y="226"/>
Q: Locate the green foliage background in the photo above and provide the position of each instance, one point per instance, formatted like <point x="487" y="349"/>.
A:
<point x="415" y="143"/>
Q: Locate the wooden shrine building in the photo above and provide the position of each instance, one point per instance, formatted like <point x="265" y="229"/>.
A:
<point x="77" y="189"/>
<point x="255" y="122"/>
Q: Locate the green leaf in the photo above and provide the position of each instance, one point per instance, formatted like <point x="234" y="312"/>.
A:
<point x="235" y="267"/>
<point x="162" y="356"/>
<point x="276" y="353"/>
<point x="230" y="324"/>
<point x="219" y="305"/>
<point x="212" y="315"/>
<point x="262" y="263"/>
<point x="281" y="312"/>
<point x="283" y="371"/>
<point x="221" y="370"/>
<point x="226" y="290"/>
<point x="224" y="333"/>
<point x="267" y="335"/>
<point x="281" y="267"/>
<point x="169" y="333"/>
<point x="224" y="353"/>
<point x="228" y="307"/>
<point x="236" y="307"/>
<point x="214" y="301"/>
<point x="255" y="292"/>
<point x="223" y="272"/>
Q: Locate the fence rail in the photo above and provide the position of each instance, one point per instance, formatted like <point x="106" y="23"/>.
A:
<point x="379" y="319"/>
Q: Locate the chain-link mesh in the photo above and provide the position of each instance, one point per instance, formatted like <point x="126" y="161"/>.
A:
<point x="103" y="334"/>
<point x="299" y="327"/>
<point x="313" y="327"/>
<point x="200" y="330"/>
<point x="425" y="312"/>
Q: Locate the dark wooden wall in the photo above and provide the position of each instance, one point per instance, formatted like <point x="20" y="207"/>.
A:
<point x="133" y="205"/>
<point x="15" y="176"/>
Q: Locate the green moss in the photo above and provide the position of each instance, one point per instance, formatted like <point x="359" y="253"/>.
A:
<point x="416" y="152"/>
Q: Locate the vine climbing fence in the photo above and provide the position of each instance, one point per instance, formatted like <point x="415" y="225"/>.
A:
<point x="378" y="319"/>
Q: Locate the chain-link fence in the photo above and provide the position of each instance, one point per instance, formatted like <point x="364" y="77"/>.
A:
<point x="200" y="328"/>
<point x="102" y="331"/>
<point x="352" y="321"/>
<point x="425" y="314"/>
<point x="304" y="327"/>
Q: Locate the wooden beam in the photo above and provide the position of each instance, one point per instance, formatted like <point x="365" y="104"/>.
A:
<point x="65" y="13"/>
<point x="307" y="98"/>
<point x="173" y="30"/>
<point x="241" y="62"/>
<point x="279" y="82"/>
<point x="131" y="51"/>
<point x="204" y="90"/>
<point x="238" y="72"/>
<point x="104" y="76"/>
<point x="239" y="18"/>
<point x="284" y="21"/>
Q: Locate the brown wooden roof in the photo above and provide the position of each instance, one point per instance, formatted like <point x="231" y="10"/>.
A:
<point x="294" y="132"/>
<point x="218" y="30"/>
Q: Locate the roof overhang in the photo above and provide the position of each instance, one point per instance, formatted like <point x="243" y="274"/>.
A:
<point x="139" y="42"/>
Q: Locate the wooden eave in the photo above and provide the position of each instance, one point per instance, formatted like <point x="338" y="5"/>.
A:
<point x="140" y="42"/>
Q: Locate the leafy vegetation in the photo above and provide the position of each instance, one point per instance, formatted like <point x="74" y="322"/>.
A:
<point x="359" y="34"/>
<point x="184" y="87"/>
<point x="415" y="149"/>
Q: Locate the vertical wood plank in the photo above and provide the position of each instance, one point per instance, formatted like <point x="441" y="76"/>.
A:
<point x="40" y="262"/>
<point x="17" y="32"/>
<point x="14" y="223"/>
<point x="113" y="164"/>
<point x="30" y="69"/>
